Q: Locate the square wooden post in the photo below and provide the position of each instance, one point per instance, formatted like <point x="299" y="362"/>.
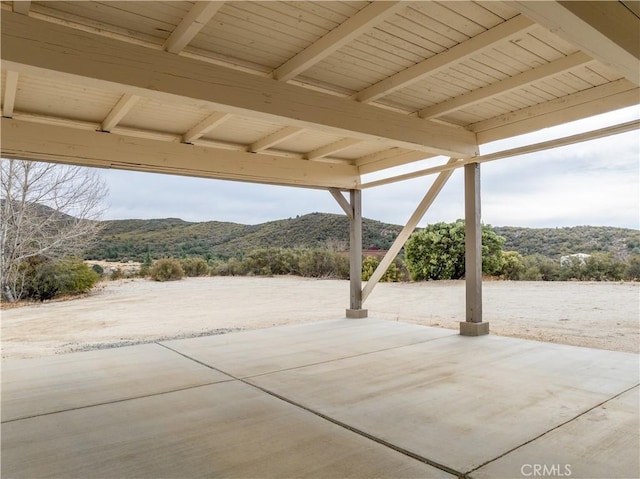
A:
<point x="355" y="257"/>
<point x="473" y="326"/>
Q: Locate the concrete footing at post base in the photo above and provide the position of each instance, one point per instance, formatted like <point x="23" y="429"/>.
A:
<point x="357" y="313"/>
<point x="468" y="328"/>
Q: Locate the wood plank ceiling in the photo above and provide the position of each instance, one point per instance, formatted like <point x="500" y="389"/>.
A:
<point x="302" y="93"/>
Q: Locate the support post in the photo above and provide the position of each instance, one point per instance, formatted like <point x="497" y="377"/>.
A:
<point x="355" y="257"/>
<point x="473" y="326"/>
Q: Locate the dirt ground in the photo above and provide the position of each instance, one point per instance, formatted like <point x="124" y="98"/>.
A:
<point x="598" y="315"/>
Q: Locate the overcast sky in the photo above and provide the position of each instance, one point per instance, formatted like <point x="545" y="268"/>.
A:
<point x="593" y="183"/>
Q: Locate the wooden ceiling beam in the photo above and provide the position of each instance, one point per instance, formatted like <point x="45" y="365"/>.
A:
<point x="585" y="96"/>
<point x="205" y="126"/>
<point x="595" y="101"/>
<point x="273" y="139"/>
<point x="504" y="86"/>
<point x="512" y="153"/>
<point x="392" y="161"/>
<point x="608" y="31"/>
<point x="21" y="6"/>
<point x="61" y="144"/>
<point x="363" y="20"/>
<point x="194" y="21"/>
<point x="332" y="148"/>
<point x="505" y="31"/>
<point x="41" y="48"/>
<point x="10" y="90"/>
<point x="118" y="112"/>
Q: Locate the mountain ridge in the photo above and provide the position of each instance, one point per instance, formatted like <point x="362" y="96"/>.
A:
<point x="131" y="239"/>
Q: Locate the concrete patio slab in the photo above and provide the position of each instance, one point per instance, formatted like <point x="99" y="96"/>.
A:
<point x="459" y="401"/>
<point x="602" y="443"/>
<point x="267" y="350"/>
<point x="222" y="430"/>
<point x="343" y="398"/>
<point x="32" y="387"/>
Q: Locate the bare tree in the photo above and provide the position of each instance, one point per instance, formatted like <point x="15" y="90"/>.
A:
<point x="47" y="210"/>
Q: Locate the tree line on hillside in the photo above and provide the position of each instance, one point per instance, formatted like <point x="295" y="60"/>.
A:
<point x="434" y="253"/>
<point x="132" y="239"/>
<point x="123" y="240"/>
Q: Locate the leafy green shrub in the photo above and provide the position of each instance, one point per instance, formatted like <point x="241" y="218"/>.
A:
<point x="194" y="267"/>
<point x="166" y="269"/>
<point x="603" y="267"/>
<point x="233" y="267"/>
<point x="271" y="261"/>
<point x="319" y="263"/>
<point x="532" y="273"/>
<point x="145" y="267"/>
<point x="513" y="267"/>
<point x="50" y="279"/>
<point x="369" y="265"/>
<point x="633" y="268"/>
<point x="116" y="274"/>
<point x="437" y="252"/>
<point x="98" y="269"/>
<point x="541" y="268"/>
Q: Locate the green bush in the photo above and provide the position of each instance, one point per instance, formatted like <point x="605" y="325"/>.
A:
<point x="232" y="267"/>
<point x="48" y="279"/>
<point x="369" y="265"/>
<point x="271" y="261"/>
<point x="145" y="267"/>
<point x="166" y="269"/>
<point x="319" y="263"/>
<point x="195" y="267"/>
<point x="633" y="268"/>
<point x="98" y="269"/>
<point x="437" y="252"/>
<point x="513" y="267"/>
<point x="603" y="267"/>
<point x="541" y="268"/>
<point x="116" y="274"/>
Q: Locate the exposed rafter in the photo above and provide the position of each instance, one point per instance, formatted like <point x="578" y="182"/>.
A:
<point x="205" y="126"/>
<point x="332" y="148"/>
<point x="36" y="141"/>
<point x="431" y="66"/>
<point x="191" y="24"/>
<point x="118" y="112"/>
<point x="379" y="155"/>
<point x="352" y="28"/>
<point x="606" y="30"/>
<point x="523" y="150"/>
<point x="41" y="48"/>
<point x="274" y="138"/>
<point x="390" y="161"/>
<point x="22" y="6"/>
<point x="594" y="101"/>
<point x="10" y="90"/>
<point x="504" y="86"/>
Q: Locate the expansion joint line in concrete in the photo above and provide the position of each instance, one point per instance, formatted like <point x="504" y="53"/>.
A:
<point x="115" y="401"/>
<point x="341" y="424"/>
<point x="366" y="353"/>
<point x="551" y="430"/>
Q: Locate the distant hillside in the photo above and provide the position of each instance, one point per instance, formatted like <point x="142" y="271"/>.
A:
<point x="556" y="242"/>
<point x="131" y="239"/>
